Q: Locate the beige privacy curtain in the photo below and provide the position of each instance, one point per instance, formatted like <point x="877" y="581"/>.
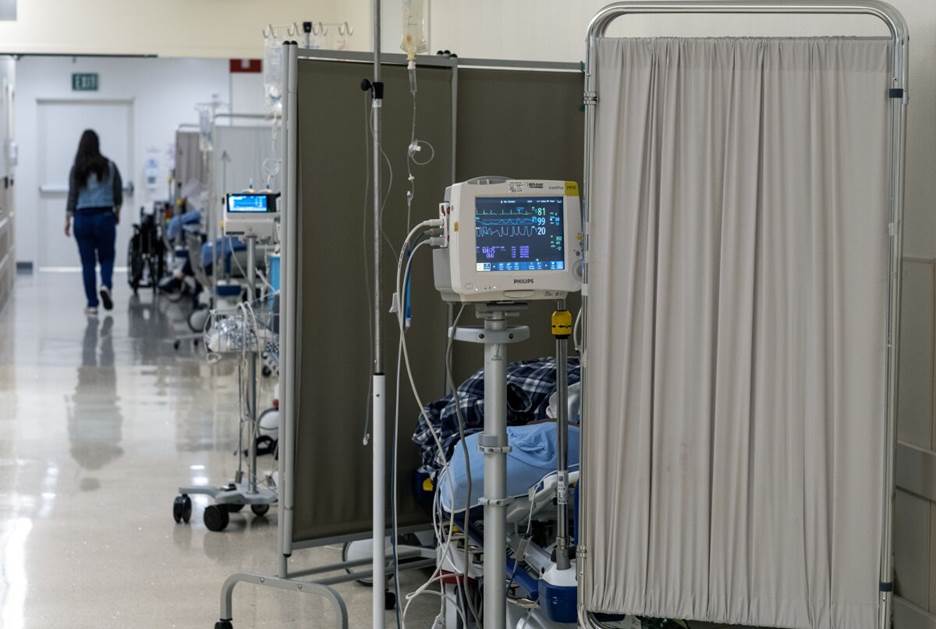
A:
<point x="736" y="331"/>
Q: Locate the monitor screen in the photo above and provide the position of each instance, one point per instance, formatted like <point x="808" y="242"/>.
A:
<point x="249" y="203"/>
<point x="519" y="234"/>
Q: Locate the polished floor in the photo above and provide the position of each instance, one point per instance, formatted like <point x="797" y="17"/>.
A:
<point x="100" y="421"/>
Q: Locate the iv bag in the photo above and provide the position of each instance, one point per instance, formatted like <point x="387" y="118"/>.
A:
<point x="273" y="75"/>
<point x="205" y="123"/>
<point x="414" y="28"/>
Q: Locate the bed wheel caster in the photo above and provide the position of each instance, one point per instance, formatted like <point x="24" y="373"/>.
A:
<point x="224" y="624"/>
<point x="260" y="510"/>
<point x="216" y="518"/>
<point x="182" y="509"/>
<point x="389" y="601"/>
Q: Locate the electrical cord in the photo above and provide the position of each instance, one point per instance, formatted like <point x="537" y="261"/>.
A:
<point x="445" y="539"/>
<point x="450" y="379"/>
<point x="445" y="543"/>
<point x="401" y="300"/>
<point x="394" y="455"/>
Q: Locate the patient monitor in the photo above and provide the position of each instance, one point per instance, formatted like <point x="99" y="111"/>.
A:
<point x="509" y="240"/>
<point x="251" y="214"/>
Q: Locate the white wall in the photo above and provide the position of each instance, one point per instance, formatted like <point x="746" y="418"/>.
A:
<point x="180" y="28"/>
<point x="164" y="92"/>
<point x="246" y="93"/>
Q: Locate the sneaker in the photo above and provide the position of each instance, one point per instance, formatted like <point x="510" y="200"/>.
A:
<point x="91" y="312"/>
<point x="106" y="298"/>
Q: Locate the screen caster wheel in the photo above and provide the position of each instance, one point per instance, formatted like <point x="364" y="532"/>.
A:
<point x="260" y="510"/>
<point x="216" y="518"/>
<point x="182" y="509"/>
<point x="198" y="319"/>
<point x="353" y="551"/>
<point x="389" y="601"/>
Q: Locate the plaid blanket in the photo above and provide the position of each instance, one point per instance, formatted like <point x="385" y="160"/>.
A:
<point x="529" y="385"/>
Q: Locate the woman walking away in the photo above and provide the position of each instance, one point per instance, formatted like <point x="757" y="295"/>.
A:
<point x="95" y="194"/>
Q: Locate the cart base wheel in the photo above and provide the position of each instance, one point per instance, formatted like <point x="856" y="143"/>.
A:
<point x="182" y="509"/>
<point x="260" y="510"/>
<point x="216" y="518"/>
<point x="224" y="624"/>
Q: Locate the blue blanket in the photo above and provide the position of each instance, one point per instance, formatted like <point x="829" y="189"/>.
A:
<point x="176" y="223"/>
<point x="533" y="455"/>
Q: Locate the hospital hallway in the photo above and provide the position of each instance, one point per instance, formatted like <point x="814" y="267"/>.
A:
<point x="100" y="421"/>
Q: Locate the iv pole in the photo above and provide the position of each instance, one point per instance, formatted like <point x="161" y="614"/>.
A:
<point x="378" y="385"/>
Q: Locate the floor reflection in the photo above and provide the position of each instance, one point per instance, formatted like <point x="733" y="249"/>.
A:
<point x="100" y="422"/>
<point x="150" y="329"/>
<point x="95" y="421"/>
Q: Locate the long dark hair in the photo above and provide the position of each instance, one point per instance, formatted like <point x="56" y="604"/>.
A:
<point x="88" y="159"/>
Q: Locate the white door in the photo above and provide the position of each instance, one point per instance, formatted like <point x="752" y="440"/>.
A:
<point x="61" y="123"/>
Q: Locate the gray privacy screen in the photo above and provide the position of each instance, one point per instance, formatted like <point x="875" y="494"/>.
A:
<point x="521" y="124"/>
<point x="733" y="448"/>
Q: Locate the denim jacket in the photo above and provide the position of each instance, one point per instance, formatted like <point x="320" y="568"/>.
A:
<point x="95" y="193"/>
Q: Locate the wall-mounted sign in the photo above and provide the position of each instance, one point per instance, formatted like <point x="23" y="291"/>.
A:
<point x="248" y="66"/>
<point x="85" y="82"/>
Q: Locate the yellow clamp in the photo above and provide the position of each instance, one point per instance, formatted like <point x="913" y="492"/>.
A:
<point x="562" y="324"/>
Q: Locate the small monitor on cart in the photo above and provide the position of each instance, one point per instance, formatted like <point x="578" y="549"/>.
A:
<point x="251" y="214"/>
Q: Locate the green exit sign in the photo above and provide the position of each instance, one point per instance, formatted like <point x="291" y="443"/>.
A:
<point x="85" y="82"/>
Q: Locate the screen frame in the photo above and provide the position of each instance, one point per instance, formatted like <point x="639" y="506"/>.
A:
<point x="473" y="285"/>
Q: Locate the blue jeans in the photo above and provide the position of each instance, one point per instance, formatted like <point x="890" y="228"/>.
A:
<point x="96" y="231"/>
